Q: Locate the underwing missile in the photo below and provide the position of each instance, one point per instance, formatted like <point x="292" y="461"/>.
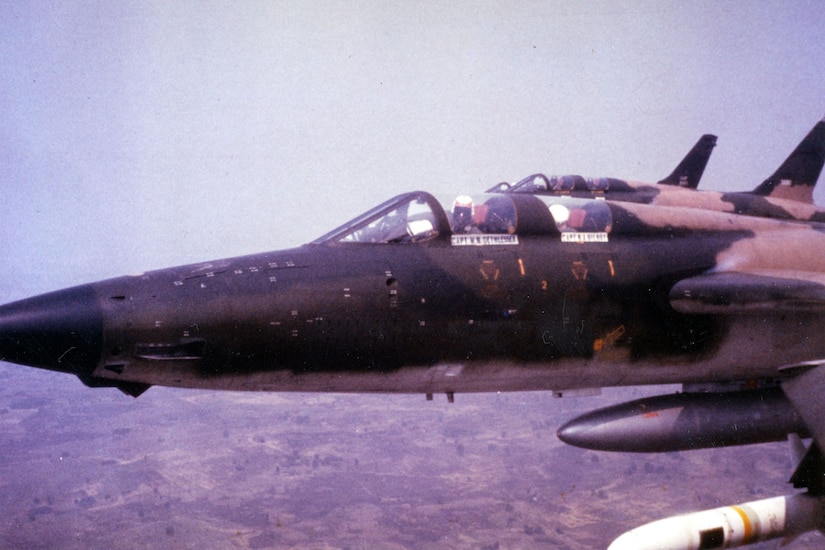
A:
<point x="727" y="527"/>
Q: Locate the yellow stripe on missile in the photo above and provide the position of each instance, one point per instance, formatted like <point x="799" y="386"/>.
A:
<point x="746" y="522"/>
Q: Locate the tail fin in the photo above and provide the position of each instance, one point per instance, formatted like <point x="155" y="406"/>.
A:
<point x="690" y="170"/>
<point x="796" y="178"/>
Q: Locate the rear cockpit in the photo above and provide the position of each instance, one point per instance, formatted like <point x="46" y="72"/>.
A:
<point x="420" y="217"/>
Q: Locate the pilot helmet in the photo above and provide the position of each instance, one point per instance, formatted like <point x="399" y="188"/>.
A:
<point x="560" y="213"/>
<point x="462" y="202"/>
<point x="462" y="210"/>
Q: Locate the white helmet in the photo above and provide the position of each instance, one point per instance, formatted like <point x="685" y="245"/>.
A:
<point x="560" y="213"/>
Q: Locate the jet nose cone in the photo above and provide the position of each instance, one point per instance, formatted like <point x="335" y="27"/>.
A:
<point x="60" y="331"/>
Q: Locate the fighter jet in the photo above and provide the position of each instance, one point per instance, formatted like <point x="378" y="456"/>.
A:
<point x="687" y="174"/>
<point x="496" y="292"/>
<point x="785" y="194"/>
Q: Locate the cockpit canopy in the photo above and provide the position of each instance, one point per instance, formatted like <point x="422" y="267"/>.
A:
<point x="411" y="217"/>
<point x="570" y="184"/>
<point x="419" y="216"/>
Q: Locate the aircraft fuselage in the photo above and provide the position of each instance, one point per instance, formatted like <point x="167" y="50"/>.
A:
<point x="535" y="308"/>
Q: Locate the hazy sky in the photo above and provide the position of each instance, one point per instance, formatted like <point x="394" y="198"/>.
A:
<point x="143" y="135"/>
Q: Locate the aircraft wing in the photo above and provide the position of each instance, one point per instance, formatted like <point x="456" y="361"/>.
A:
<point x="750" y="291"/>
<point x="777" y="291"/>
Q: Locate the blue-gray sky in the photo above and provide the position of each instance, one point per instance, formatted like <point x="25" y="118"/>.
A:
<point x="149" y="134"/>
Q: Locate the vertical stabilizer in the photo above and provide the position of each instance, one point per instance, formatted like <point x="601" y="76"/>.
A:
<point x="690" y="170"/>
<point x="796" y="177"/>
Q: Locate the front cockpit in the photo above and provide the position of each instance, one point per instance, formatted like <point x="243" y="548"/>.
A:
<point x="407" y="218"/>
<point x="420" y="217"/>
